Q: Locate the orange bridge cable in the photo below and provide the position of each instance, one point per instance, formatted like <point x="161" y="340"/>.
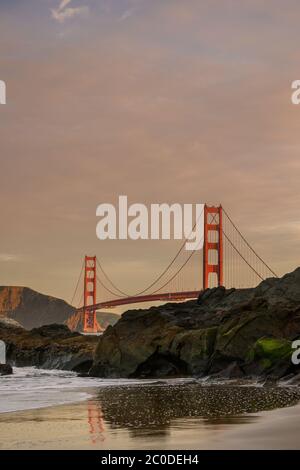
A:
<point x="248" y="244"/>
<point x="110" y="281"/>
<point x="77" y="285"/>
<point x="171" y="279"/>
<point x="164" y="271"/>
<point x="172" y="261"/>
<point x="254" y="270"/>
<point x="81" y="300"/>
<point x="103" y="285"/>
<point x="108" y="290"/>
<point x="179" y="270"/>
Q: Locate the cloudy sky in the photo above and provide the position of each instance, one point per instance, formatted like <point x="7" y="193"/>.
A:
<point x="162" y="100"/>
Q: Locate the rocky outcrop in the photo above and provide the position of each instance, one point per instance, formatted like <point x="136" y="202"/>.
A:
<point x="32" y="309"/>
<point x="48" y="347"/>
<point x="229" y="333"/>
<point x="9" y="322"/>
<point x="5" y="369"/>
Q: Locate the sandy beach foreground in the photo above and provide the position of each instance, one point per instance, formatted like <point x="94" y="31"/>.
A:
<point x="83" y="426"/>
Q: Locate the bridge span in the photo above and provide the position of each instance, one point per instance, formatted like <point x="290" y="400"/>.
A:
<point x="165" y="296"/>
<point x="227" y="259"/>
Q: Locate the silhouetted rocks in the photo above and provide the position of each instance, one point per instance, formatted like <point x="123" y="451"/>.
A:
<point x="54" y="331"/>
<point x="226" y="333"/>
<point x="48" y="347"/>
<point x="5" y="369"/>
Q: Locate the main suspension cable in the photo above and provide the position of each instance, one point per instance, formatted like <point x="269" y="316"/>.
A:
<point x="77" y="285"/>
<point x="234" y="247"/>
<point x="248" y="244"/>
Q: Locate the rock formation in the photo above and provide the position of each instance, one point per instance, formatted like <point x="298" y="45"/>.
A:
<point x="48" y="347"/>
<point x="5" y="369"/>
<point x="228" y="333"/>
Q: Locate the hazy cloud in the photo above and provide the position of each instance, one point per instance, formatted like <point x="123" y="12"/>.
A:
<point x="64" y="12"/>
<point x="8" y="258"/>
<point x="127" y="14"/>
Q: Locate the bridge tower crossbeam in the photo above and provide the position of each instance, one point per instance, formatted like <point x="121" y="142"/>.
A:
<point x="213" y="242"/>
<point x="90" y="280"/>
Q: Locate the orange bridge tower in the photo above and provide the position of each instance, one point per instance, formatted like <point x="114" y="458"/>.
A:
<point x="213" y="245"/>
<point x="89" y="316"/>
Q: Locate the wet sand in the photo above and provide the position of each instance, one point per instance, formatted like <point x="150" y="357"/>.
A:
<point x="99" y="424"/>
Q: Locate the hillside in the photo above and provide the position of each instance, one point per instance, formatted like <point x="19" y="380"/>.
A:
<point x="107" y="318"/>
<point x="32" y="309"/>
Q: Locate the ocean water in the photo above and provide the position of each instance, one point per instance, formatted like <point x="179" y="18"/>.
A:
<point x="32" y="388"/>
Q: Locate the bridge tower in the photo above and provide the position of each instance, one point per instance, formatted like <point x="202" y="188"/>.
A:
<point x="213" y="243"/>
<point x="89" y="316"/>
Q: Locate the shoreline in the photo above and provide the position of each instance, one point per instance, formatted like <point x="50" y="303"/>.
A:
<point x="84" y="425"/>
<point x="83" y="391"/>
<point x="274" y="429"/>
<point x="89" y="390"/>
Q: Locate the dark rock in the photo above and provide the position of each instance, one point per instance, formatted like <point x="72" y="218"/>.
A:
<point x="232" y="332"/>
<point x="48" y="347"/>
<point x="221" y="369"/>
<point x="270" y="381"/>
<point x="5" y="369"/>
<point x="161" y="365"/>
<point x="291" y="379"/>
<point x="54" y="331"/>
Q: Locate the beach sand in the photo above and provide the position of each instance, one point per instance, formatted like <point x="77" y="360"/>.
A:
<point x="83" y="426"/>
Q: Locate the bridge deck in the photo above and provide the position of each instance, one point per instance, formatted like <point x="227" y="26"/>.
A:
<point x="171" y="296"/>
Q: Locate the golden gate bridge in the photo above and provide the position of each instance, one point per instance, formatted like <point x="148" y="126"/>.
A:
<point x="227" y="259"/>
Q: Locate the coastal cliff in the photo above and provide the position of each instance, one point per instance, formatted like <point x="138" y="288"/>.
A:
<point x="226" y="333"/>
<point x="32" y="309"/>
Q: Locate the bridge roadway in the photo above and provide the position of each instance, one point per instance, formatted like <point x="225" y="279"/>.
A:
<point x="171" y="296"/>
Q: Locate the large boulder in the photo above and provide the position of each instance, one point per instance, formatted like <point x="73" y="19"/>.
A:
<point x="5" y="369"/>
<point x="48" y="347"/>
<point x="240" y="331"/>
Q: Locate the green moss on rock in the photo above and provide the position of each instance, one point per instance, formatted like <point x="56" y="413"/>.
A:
<point x="269" y="351"/>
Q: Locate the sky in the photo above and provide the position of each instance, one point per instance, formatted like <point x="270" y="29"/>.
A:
<point x="161" y="100"/>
